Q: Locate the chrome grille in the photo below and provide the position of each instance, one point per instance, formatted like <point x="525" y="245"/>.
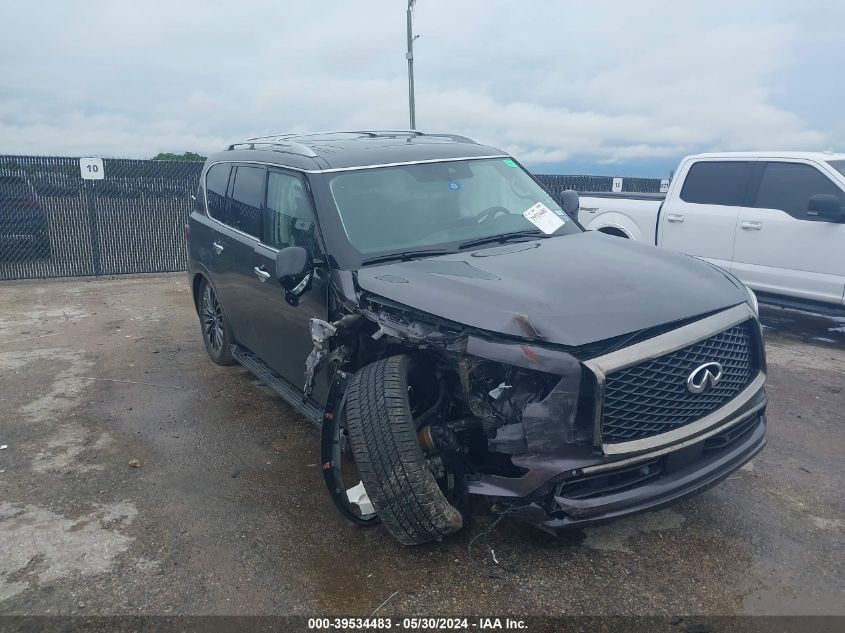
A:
<point x="652" y="397"/>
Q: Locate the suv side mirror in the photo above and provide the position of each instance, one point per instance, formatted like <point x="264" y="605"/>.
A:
<point x="292" y="261"/>
<point x="826" y="205"/>
<point x="570" y="202"/>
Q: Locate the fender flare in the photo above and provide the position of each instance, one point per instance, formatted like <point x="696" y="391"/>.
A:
<point x="618" y="221"/>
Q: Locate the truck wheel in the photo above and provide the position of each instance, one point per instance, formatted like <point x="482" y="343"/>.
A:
<point x="394" y="470"/>
<point x="215" y="329"/>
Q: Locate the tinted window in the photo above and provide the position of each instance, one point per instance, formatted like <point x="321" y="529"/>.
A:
<point x="216" y="181"/>
<point x="420" y="206"/>
<point x="716" y="183"/>
<point x="838" y="165"/>
<point x="788" y="187"/>
<point x="244" y="209"/>
<point x="289" y="217"/>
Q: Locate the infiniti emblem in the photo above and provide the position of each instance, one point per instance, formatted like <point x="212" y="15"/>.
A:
<point x="704" y="378"/>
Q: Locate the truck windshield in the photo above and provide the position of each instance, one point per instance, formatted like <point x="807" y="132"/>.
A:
<point x="418" y="206"/>
<point x="838" y="165"/>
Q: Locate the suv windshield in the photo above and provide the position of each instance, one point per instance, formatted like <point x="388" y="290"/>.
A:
<point x="418" y="206"/>
<point x="838" y="165"/>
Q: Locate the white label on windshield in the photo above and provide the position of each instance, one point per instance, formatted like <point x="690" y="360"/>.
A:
<point x="543" y="218"/>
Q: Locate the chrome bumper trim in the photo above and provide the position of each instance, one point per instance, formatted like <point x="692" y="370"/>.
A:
<point x="642" y="457"/>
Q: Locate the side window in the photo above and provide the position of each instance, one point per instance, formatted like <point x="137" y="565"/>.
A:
<point x="290" y="218"/>
<point x="788" y="187"/>
<point x="713" y="182"/>
<point x="216" y="182"/>
<point x="244" y="209"/>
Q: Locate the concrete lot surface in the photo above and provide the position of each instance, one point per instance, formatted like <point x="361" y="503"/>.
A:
<point x="226" y="513"/>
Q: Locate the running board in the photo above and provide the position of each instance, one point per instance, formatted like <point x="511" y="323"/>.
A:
<point x="281" y="386"/>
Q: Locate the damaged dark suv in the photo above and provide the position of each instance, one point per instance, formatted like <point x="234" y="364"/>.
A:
<point x="453" y="330"/>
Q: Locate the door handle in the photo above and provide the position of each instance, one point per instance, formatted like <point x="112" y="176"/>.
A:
<point x="674" y="217"/>
<point x="262" y="274"/>
<point x="750" y="226"/>
<point x="217" y="246"/>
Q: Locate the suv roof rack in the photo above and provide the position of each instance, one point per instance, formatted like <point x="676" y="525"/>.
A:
<point x="293" y="142"/>
<point x="293" y="148"/>
<point x="369" y="133"/>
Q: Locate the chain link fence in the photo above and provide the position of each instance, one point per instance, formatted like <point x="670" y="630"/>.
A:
<point x="54" y="223"/>
<point x="557" y="184"/>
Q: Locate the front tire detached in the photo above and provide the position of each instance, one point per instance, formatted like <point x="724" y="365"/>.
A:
<point x="394" y="470"/>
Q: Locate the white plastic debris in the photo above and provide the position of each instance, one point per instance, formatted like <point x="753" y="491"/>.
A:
<point x="358" y="495"/>
<point x="498" y="391"/>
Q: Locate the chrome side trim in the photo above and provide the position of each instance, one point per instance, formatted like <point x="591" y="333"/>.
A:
<point x="653" y="348"/>
<point x="337" y="169"/>
<point x="589" y="470"/>
<point x="410" y="162"/>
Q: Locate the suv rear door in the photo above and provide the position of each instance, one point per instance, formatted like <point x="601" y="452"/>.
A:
<point x="779" y="247"/>
<point x="701" y="219"/>
<point x="238" y="219"/>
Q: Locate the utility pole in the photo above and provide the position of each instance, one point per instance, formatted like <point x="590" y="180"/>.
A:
<point x="410" y="57"/>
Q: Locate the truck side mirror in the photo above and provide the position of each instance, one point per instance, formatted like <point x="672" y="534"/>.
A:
<point x="291" y="262"/>
<point x="826" y="205"/>
<point x="570" y="202"/>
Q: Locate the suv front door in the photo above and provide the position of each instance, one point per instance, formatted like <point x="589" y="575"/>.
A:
<point x="279" y="319"/>
<point x="779" y="247"/>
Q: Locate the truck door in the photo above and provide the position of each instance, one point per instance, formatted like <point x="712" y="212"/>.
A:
<point x="779" y="247"/>
<point x="701" y="219"/>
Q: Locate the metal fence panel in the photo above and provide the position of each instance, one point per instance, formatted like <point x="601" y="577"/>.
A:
<point x="584" y="184"/>
<point x="55" y="224"/>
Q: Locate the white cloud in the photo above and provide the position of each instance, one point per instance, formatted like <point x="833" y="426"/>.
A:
<point x="548" y="81"/>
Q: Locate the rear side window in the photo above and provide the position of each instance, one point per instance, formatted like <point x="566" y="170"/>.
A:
<point x="788" y="187"/>
<point x="216" y="182"/>
<point x="721" y="183"/>
<point x="290" y="218"/>
<point x="244" y="212"/>
<point x="838" y="165"/>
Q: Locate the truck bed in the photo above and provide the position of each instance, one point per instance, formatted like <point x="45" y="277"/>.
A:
<point x="628" y="214"/>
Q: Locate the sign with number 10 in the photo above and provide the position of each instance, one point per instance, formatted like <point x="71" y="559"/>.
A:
<point x="91" y="168"/>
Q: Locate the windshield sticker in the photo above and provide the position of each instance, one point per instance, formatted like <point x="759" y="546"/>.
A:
<point x="455" y="186"/>
<point x="510" y="163"/>
<point x="543" y="218"/>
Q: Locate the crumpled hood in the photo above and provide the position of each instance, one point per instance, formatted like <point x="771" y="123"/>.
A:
<point x="571" y="290"/>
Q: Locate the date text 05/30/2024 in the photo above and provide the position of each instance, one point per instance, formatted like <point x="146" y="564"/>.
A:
<point x="416" y="624"/>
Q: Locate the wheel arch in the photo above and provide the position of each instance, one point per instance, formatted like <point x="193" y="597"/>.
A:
<point x="196" y="280"/>
<point x="614" y="230"/>
<point x="616" y="223"/>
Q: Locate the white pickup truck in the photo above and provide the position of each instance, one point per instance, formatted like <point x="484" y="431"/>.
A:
<point x="776" y="220"/>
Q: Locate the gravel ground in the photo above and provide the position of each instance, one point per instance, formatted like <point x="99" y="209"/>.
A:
<point x="226" y="512"/>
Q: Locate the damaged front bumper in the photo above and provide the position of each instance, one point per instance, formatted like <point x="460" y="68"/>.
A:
<point x="557" y="493"/>
<point x="650" y="485"/>
<point x="567" y="483"/>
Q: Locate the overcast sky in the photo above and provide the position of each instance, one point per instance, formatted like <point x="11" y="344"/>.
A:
<point x="565" y="86"/>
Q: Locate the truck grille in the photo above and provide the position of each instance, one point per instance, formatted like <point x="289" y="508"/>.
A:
<point x="652" y="397"/>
